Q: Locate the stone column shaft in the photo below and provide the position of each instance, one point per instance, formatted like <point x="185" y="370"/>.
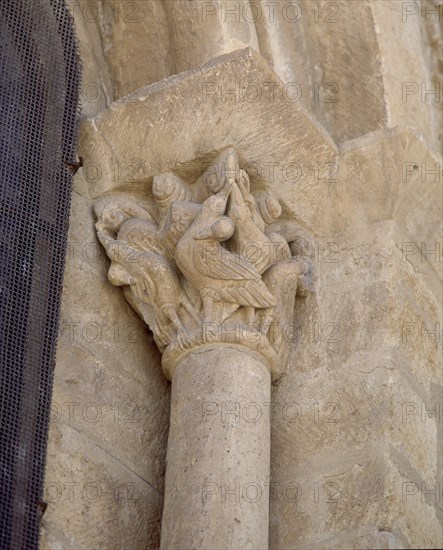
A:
<point x="218" y="459"/>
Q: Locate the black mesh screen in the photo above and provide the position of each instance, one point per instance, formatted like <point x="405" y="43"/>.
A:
<point x="39" y="81"/>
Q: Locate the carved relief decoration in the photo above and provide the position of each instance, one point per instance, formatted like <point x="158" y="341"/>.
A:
<point x="207" y="263"/>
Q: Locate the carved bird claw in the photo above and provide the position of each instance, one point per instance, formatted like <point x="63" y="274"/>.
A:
<point x="183" y="338"/>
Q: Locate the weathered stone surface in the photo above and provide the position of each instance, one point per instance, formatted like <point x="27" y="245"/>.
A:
<point x="203" y="30"/>
<point x="350" y="491"/>
<point x="95" y="501"/>
<point x="363" y="333"/>
<point x="352" y="62"/>
<point x="193" y="116"/>
<point x="348" y="63"/>
<point x="379" y="175"/>
<point x="210" y="305"/>
<point x="282" y="42"/>
<point x="136" y="44"/>
<point x="347" y="93"/>
<point x="412" y="92"/>
<point x="356" y="408"/>
<point x="361" y="539"/>
<point x="206" y="263"/>
<point x="96" y="87"/>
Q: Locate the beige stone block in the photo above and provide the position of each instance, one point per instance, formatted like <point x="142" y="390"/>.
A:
<point x="382" y="252"/>
<point x="354" y="408"/>
<point x="95" y="501"/>
<point x="112" y="410"/>
<point x="361" y="539"/>
<point x="137" y="44"/>
<point x="202" y="30"/>
<point x="431" y="14"/>
<point x="342" y="44"/>
<point x="411" y="93"/>
<point x="421" y="225"/>
<point x="362" y="66"/>
<point x="354" y="491"/>
<point x="88" y="298"/>
<point x="368" y="300"/>
<point x="357" y="257"/>
<point x="96" y="86"/>
<point x="281" y="36"/>
<point x="378" y="317"/>
<point x="378" y="181"/>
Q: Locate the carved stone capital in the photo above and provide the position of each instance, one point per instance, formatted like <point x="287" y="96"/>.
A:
<point x="206" y="264"/>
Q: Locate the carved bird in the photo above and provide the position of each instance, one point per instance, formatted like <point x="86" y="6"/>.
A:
<point x="140" y="265"/>
<point x="220" y="276"/>
<point x="152" y="280"/>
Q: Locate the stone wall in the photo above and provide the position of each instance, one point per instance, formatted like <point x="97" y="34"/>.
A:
<point x="356" y="448"/>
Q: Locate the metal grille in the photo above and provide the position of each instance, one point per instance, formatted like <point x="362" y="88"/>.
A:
<point x="39" y="81"/>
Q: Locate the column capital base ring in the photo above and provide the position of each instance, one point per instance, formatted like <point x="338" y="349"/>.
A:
<point x="242" y="338"/>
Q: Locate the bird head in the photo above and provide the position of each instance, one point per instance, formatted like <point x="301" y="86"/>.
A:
<point x="119" y="276"/>
<point x="221" y="230"/>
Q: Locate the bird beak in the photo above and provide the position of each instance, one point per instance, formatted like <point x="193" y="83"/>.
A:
<point x="118" y="276"/>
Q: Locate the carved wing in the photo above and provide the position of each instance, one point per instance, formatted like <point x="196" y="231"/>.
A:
<point x="178" y="221"/>
<point x="252" y="293"/>
<point x="218" y="263"/>
<point x="141" y="235"/>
